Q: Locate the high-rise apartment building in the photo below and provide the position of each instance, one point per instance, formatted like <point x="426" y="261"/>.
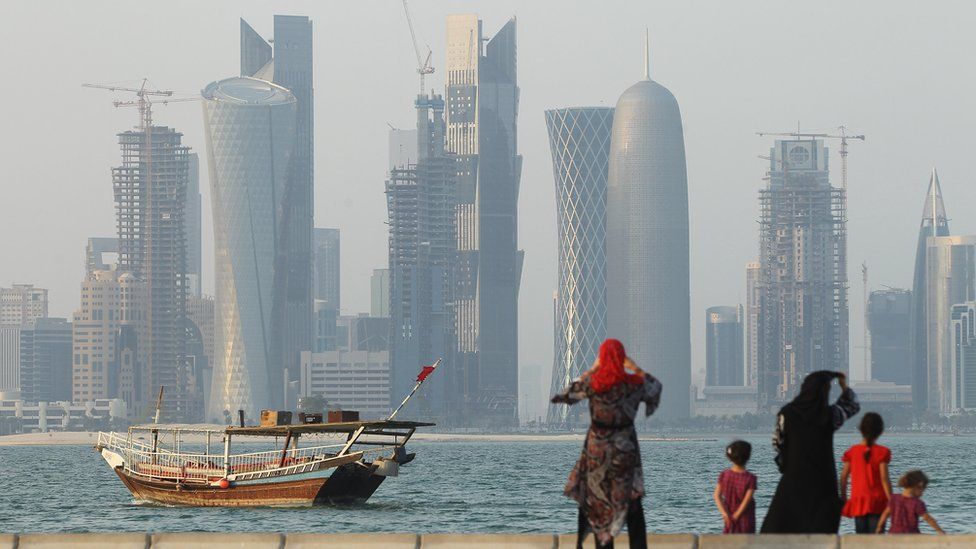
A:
<point x="579" y="140"/>
<point x="889" y="323"/>
<point x="803" y="321"/>
<point x="327" y="286"/>
<point x="648" y="296"/>
<point x="289" y="65"/>
<point x="22" y="303"/>
<point x="421" y="198"/>
<point x="45" y="360"/>
<point x="108" y="338"/>
<point x="723" y="346"/>
<point x="950" y="278"/>
<point x="963" y="374"/>
<point x="934" y="223"/>
<point x="753" y="310"/>
<point x="250" y="131"/>
<point x="150" y="205"/>
<point x="482" y="131"/>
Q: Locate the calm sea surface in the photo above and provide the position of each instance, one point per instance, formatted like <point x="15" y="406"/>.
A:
<point x="456" y="487"/>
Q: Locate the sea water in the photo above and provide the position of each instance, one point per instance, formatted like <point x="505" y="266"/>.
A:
<point x="482" y="486"/>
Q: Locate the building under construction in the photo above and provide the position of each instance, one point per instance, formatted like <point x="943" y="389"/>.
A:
<point x="803" y="320"/>
<point x="421" y="201"/>
<point x="150" y="196"/>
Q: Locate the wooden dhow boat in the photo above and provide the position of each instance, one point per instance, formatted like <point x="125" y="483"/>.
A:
<point x="200" y="466"/>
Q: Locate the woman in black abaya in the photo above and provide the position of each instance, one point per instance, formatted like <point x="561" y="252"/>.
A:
<point x="807" y="500"/>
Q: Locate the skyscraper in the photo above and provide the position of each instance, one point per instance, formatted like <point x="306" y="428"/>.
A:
<point x="723" y="346"/>
<point x="150" y="205"/>
<point x="194" y="226"/>
<point x="482" y="121"/>
<point x="379" y="293"/>
<point x="101" y="254"/>
<point x="934" y="223"/>
<point x="579" y="140"/>
<point x="327" y="265"/>
<point x="803" y="321"/>
<point x="889" y="323"/>
<point x="963" y="336"/>
<point x="250" y="130"/>
<point x="648" y="299"/>
<point x="45" y="360"/>
<point x="950" y="278"/>
<point x="421" y="198"/>
<point x="289" y="64"/>
<point x="753" y="298"/>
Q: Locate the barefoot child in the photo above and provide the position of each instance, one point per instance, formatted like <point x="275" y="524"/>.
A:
<point x="905" y="508"/>
<point x="735" y="489"/>
<point x="866" y="465"/>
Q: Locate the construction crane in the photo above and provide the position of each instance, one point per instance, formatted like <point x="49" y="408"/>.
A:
<point x="143" y="99"/>
<point x="844" y="136"/>
<point x="423" y="65"/>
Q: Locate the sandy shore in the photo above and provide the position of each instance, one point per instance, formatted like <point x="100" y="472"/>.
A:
<point x="88" y="438"/>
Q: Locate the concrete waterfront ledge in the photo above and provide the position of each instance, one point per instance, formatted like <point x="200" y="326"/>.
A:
<point x="233" y="540"/>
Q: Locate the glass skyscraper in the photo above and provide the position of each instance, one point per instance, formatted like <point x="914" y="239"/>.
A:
<point x="250" y="131"/>
<point x="934" y="223"/>
<point x="889" y="322"/>
<point x="648" y="296"/>
<point x="289" y="64"/>
<point x="579" y="139"/>
<point x="723" y="346"/>
<point x="482" y="117"/>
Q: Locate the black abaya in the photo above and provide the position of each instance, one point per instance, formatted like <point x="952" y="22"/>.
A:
<point x="806" y="499"/>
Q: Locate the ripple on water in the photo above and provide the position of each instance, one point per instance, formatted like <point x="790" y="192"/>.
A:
<point x="456" y="486"/>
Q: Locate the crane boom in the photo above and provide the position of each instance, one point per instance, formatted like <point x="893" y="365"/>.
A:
<point x="423" y="66"/>
<point x="843" y="136"/>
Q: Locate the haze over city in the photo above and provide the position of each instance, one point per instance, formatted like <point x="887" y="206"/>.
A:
<point x="889" y="71"/>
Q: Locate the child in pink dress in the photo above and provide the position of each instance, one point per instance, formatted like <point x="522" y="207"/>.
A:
<point x="734" y="491"/>
<point x="905" y="508"/>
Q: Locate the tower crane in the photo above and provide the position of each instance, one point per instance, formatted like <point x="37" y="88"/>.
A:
<point x="843" y="136"/>
<point x="423" y="65"/>
<point x="143" y="99"/>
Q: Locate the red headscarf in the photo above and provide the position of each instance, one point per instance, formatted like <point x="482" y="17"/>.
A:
<point x="611" y="371"/>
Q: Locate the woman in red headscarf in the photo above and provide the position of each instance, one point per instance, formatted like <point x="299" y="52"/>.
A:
<point x="608" y="482"/>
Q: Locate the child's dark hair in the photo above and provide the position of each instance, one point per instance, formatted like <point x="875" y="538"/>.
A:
<point x="871" y="428"/>
<point x="913" y="478"/>
<point x="739" y="452"/>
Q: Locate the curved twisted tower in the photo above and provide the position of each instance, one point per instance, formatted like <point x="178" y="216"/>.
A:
<point x="579" y="139"/>
<point x="648" y="303"/>
<point x="250" y="130"/>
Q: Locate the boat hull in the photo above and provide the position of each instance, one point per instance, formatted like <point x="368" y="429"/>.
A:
<point x="351" y="483"/>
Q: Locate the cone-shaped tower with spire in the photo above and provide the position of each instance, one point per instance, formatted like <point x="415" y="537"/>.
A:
<point x="934" y="223"/>
<point x="648" y="304"/>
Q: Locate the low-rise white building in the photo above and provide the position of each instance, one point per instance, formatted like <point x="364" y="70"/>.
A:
<point x="351" y="380"/>
<point x="42" y="417"/>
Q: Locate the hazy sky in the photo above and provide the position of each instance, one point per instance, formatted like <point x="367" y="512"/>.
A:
<point x="899" y="72"/>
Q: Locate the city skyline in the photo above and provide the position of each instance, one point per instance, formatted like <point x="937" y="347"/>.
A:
<point x="873" y="166"/>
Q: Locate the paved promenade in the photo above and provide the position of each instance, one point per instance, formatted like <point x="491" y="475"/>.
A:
<point x="466" y="541"/>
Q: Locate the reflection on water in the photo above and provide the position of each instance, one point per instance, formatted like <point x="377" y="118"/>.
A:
<point x="455" y="487"/>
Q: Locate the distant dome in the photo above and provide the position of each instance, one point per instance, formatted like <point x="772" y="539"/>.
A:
<point x="244" y="90"/>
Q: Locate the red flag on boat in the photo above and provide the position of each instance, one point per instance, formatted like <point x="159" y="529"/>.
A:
<point x="425" y="371"/>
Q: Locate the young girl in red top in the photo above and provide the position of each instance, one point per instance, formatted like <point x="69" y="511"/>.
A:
<point x="905" y="508"/>
<point x="866" y="464"/>
<point x="734" y="491"/>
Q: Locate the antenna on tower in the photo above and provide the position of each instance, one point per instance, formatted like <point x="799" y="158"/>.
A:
<point x="647" y="54"/>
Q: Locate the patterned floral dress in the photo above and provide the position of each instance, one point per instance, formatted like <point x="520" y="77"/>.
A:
<point x="608" y="474"/>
